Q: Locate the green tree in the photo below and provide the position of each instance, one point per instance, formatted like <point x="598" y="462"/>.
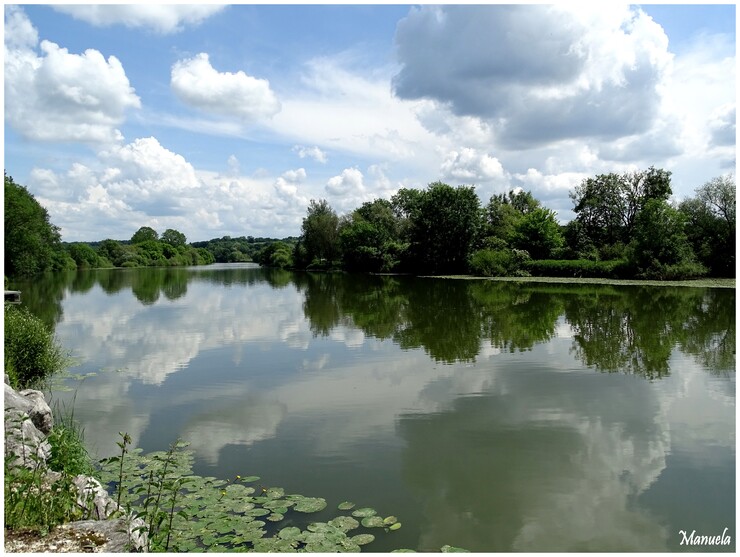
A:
<point x="369" y="238"/>
<point x="608" y="204"/>
<point x="83" y="255"/>
<point x="538" y="232"/>
<point x="711" y="225"/>
<point x="173" y="237"/>
<point x="444" y="228"/>
<point x="660" y="248"/>
<point x="321" y="232"/>
<point x="32" y="242"/>
<point x="144" y="234"/>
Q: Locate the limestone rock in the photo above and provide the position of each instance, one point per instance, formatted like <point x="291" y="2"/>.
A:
<point x="38" y="410"/>
<point x="110" y="536"/>
<point x="22" y="437"/>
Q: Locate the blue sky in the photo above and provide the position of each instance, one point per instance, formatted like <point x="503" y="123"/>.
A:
<point x="227" y="120"/>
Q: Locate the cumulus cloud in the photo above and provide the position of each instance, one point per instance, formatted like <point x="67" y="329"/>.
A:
<point x="722" y="126"/>
<point x="312" y="152"/>
<point x="535" y="73"/>
<point x="196" y="83"/>
<point x="349" y="181"/>
<point x="470" y="166"/>
<point x="160" y="18"/>
<point x="60" y="96"/>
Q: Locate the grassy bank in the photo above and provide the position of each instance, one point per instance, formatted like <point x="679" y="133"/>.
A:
<point x="697" y="283"/>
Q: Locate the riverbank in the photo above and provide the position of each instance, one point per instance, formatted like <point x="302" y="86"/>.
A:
<point x="697" y="283"/>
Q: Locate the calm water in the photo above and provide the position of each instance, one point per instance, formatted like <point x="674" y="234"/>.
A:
<point x="494" y="416"/>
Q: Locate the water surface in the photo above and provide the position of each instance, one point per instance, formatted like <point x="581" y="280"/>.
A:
<point x="495" y="416"/>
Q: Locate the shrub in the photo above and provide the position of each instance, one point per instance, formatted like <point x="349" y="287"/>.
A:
<point x="31" y="351"/>
<point x="578" y="268"/>
<point x="498" y="262"/>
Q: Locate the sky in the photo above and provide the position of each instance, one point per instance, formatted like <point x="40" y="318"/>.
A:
<point x="223" y="120"/>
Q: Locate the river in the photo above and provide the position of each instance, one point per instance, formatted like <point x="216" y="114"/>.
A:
<point x="494" y="416"/>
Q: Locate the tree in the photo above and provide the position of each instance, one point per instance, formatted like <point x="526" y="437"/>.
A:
<point x="608" y="204"/>
<point x="660" y="248"/>
<point x="504" y="211"/>
<point x="444" y="228"/>
<point x="369" y="238"/>
<point x="321" y="232"/>
<point x="32" y="242"/>
<point x="711" y="225"/>
<point x="144" y="234"/>
<point x="538" y="232"/>
<point x="173" y="237"/>
<point x="83" y="255"/>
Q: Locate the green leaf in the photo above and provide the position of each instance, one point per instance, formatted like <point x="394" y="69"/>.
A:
<point x="372" y="522"/>
<point x="344" y="523"/>
<point x="364" y="512"/>
<point x="452" y="549"/>
<point x="388" y="520"/>
<point x="310" y="505"/>
<point x="394" y="526"/>
<point x="362" y="539"/>
<point x="289" y="533"/>
<point x="345" y="506"/>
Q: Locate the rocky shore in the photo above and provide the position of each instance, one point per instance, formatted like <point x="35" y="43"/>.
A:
<point x="28" y="422"/>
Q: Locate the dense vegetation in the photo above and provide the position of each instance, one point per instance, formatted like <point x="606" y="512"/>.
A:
<point x="33" y="244"/>
<point x="625" y="226"/>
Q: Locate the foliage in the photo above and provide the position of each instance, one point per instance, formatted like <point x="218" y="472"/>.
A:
<point x="537" y="232"/>
<point x="144" y="234"/>
<point x="608" y="204"/>
<point x="577" y="268"/>
<point x="68" y="452"/>
<point x="276" y="254"/>
<point x="499" y="262"/>
<point x="660" y="247"/>
<point x="186" y="512"/>
<point x="369" y="238"/>
<point x="711" y="228"/>
<point x="173" y="237"/>
<point x="445" y="223"/>
<point x="320" y="230"/>
<point x="31" y="351"/>
<point x="32" y="242"/>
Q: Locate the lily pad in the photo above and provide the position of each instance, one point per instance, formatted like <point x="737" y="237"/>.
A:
<point x="249" y="479"/>
<point x="364" y="512"/>
<point x="403" y="551"/>
<point x="345" y="523"/>
<point x="275" y="517"/>
<point x="345" y="506"/>
<point x="310" y="504"/>
<point x="388" y="520"/>
<point x="452" y="549"/>
<point x="275" y="492"/>
<point x="372" y="522"/>
<point x="394" y="526"/>
<point x="289" y="533"/>
<point x="362" y="539"/>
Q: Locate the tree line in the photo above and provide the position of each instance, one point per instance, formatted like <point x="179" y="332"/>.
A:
<point x="33" y="244"/>
<point x="625" y="227"/>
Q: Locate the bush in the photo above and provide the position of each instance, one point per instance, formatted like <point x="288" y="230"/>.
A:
<point x="578" y="268"/>
<point x="31" y="351"/>
<point x="499" y="262"/>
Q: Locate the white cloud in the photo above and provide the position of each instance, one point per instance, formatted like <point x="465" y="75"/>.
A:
<point x="60" y="96"/>
<point x="312" y="152"/>
<point x="536" y="73"/>
<point x="469" y="166"/>
<point x="196" y="83"/>
<point x="158" y="17"/>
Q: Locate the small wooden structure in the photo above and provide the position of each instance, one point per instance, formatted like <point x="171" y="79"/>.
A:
<point x="13" y="296"/>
